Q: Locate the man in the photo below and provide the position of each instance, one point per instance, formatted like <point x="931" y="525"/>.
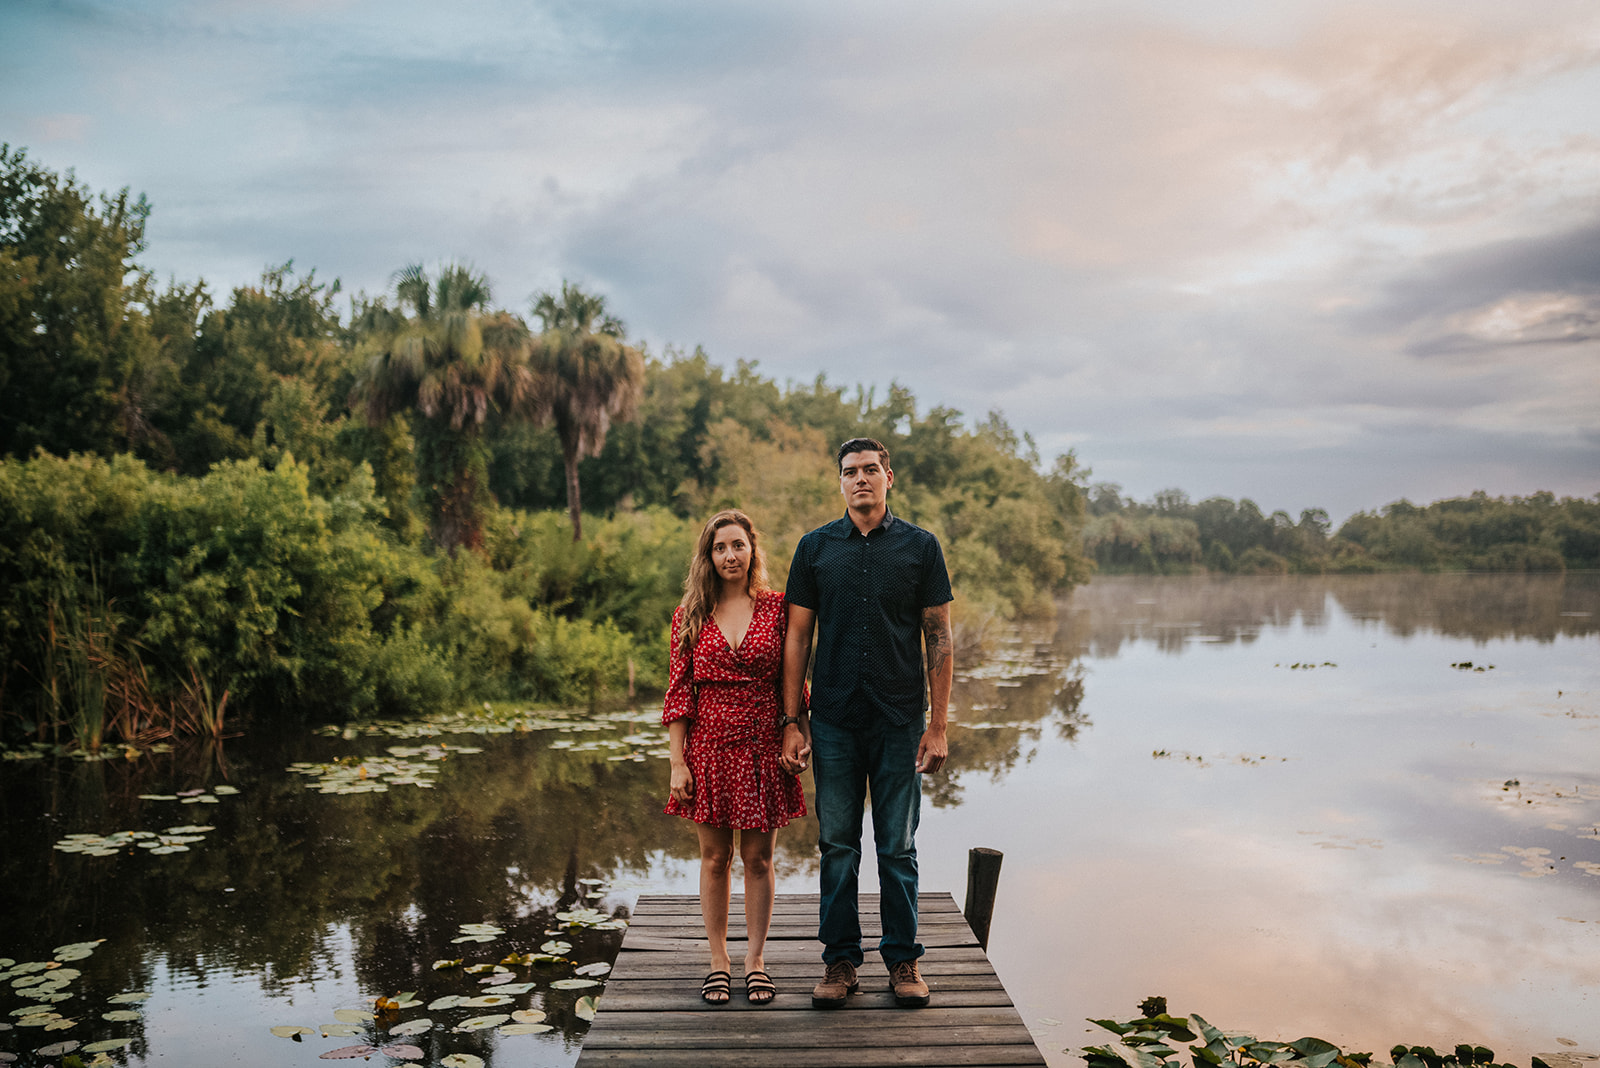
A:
<point x="870" y="585"/>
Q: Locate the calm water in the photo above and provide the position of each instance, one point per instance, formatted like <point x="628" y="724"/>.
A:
<point x="1373" y="846"/>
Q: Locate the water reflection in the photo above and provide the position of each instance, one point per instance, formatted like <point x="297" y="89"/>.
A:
<point x="1324" y="865"/>
<point x="1171" y="612"/>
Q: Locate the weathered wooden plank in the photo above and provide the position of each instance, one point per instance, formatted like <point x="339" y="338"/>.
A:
<point x="777" y="1020"/>
<point x="882" y="1057"/>
<point x="650" y="997"/>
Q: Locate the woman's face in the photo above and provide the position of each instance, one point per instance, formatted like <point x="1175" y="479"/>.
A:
<point x="730" y="553"/>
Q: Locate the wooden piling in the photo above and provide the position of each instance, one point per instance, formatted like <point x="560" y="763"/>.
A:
<point x="983" y="883"/>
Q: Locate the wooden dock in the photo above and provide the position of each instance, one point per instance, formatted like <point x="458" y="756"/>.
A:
<point x="651" y="1012"/>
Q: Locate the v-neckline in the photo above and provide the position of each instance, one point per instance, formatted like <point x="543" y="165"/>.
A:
<point x="755" y="606"/>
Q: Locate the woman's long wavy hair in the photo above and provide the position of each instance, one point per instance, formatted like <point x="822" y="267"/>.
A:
<point x="702" y="585"/>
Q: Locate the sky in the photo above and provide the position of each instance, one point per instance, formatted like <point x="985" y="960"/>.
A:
<point x="1317" y="253"/>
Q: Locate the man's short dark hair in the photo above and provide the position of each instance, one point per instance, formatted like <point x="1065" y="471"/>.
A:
<point x="863" y="445"/>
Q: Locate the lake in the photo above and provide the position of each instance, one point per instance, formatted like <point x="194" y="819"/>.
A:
<point x="1365" y="808"/>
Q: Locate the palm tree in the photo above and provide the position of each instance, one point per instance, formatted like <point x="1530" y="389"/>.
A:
<point x="452" y="361"/>
<point x="587" y="378"/>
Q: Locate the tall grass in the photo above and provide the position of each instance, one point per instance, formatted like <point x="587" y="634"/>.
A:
<point x="96" y="688"/>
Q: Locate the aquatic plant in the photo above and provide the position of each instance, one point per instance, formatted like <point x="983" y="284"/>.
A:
<point x="1148" y="1041"/>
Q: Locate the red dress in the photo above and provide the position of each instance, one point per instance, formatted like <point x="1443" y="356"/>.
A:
<point x="733" y="699"/>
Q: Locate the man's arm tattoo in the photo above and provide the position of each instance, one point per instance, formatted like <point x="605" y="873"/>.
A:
<point x="936" y="637"/>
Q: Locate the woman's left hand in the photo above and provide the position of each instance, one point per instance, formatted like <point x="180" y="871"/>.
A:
<point x="682" y="788"/>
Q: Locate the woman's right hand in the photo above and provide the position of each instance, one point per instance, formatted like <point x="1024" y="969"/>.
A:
<point x="682" y="783"/>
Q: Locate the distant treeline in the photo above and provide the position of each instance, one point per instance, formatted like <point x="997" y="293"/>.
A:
<point x="1172" y="535"/>
<point x="266" y="500"/>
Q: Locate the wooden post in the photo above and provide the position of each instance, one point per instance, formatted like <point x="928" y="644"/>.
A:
<point x="983" y="881"/>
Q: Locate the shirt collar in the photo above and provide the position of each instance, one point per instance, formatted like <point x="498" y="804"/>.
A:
<point x="844" y="526"/>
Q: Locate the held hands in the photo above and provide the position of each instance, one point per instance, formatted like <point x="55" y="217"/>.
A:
<point x="796" y="749"/>
<point x="682" y="783"/>
<point x="932" y="750"/>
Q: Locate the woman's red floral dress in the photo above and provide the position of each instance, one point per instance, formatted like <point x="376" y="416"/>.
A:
<point x="733" y="699"/>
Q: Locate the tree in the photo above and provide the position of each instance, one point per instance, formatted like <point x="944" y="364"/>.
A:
<point x="78" y="365"/>
<point x="452" y="361"/>
<point x="587" y="378"/>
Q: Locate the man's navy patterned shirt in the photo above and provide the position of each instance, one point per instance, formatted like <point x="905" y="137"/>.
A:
<point x="868" y="593"/>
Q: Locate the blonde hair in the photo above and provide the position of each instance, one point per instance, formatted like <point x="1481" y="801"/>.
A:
<point x="702" y="585"/>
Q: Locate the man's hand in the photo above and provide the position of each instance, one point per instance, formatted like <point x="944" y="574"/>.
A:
<point x="932" y="750"/>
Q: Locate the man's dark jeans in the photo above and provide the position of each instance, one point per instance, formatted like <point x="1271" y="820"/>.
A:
<point x="844" y="762"/>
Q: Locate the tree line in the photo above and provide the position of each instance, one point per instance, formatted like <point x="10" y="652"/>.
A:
<point x="1170" y="534"/>
<point x="265" y="503"/>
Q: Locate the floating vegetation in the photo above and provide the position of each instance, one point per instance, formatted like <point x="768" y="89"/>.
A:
<point x="593" y="919"/>
<point x="1148" y="1042"/>
<point x="1200" y="761"/>
<point x="373" y="775"/>
<point x="482" y="1023"/>
<point x="1308" y="666"/>
<point x="1467" y="665"/>
<point x="478" y="932"/>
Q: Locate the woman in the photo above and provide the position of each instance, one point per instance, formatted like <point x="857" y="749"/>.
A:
<point x="724" y="717"/>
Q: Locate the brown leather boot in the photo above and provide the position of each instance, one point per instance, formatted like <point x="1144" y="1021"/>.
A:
<point x="910" y="992"/>
<point x="836" y="987"/>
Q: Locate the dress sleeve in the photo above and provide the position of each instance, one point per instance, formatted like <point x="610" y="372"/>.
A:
<point x="679" y="701"/>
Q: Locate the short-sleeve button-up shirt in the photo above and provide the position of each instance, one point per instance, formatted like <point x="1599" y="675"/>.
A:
<point x="868" y="593"/>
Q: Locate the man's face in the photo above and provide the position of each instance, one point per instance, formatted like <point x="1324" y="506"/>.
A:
<point x="864" y="480"/>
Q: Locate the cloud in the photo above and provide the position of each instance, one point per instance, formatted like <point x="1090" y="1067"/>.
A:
<point x="1268" y="242"/>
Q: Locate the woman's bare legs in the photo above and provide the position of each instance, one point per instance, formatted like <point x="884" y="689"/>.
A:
<point x="716" y="857"/>
<point x="755" y="850"/>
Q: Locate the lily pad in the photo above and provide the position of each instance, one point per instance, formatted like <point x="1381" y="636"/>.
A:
<point x="597" y="968"/>
<point x="76" y="951"/>
<point x="440" y="965"/>
<point x="347" y="1053"/>
<point x="131" y="998"/>
<point x="351" y="1016"/>
<point x="158" y="797"/>
<point x="524" y="1029"/>
<point x="586" y="1008"/>
<point x="513" y="988"/>
<point x="342" y="1030"/>
<point x="125" y="1016"/>
<point x="282" y="1030"/>
<point x="482" y="1023"/>
<point x="449" y="1001"/>
<point x="528" y="1016"/>
<point x="224" y="791"/>
<point x="461" y="1060"/>
<point x="553" y="946"/>
<point x="401" y="1051"/>
<point x="487" y="1001"/>
<point x="106" y="1045"/>
<point x="57" y="1049"/>
<point x="473" y="938"/>
<point x="412" y="1027"/>
<point x="573" y="984"/>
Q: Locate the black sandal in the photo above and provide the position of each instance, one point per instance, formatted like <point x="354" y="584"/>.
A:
<point x="717" y="989"/>
<point x="759" y="988"/>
